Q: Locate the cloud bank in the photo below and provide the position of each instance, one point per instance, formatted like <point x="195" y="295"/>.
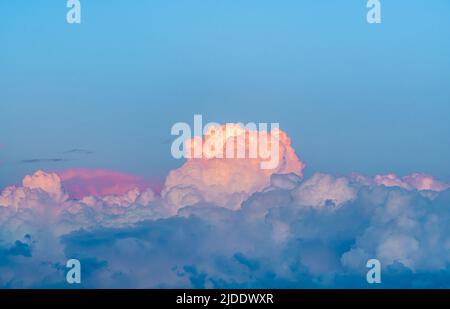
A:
<point x="225" y="224"/>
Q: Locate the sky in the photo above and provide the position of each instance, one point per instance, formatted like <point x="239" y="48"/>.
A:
<point x="354" y="97"/>
<point x="86" y="170"/>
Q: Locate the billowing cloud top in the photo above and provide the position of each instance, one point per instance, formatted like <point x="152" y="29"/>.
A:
<point x="228" y="182"/>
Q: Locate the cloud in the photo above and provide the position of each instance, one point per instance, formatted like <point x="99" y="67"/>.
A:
<point x="78" y="151"/>
<point x="57" y="159"/>
<point x="227" y="182"/>
<point x="415" y="181"/>
<point x="49" y="183"/>
<point x="38" y="191"/>
<point x="50" y="160"/>
<point x="225" y="224"/>
<point x="292" y="246"/>
<point x="313" y="233"/>
<point x="324" y="190"/>
<point x="99" y="182"/>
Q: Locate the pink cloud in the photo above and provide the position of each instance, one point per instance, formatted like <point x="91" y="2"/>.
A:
<point x="99" y="182"/>
<point x="416" y="181"/>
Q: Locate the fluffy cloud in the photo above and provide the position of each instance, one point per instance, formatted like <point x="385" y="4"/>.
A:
<point x="49" y="183"/>
<point x="324" y="190"/>
<point x="227" y="182"/>
<point x="41" y="204"/>
<point x="274" y="241"/>
<point x="313" y="233"/>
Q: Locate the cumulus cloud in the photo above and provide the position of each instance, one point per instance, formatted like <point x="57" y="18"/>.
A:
<point x="40" y="191"/>
<point x="226" y="224"/>
<point x="42" y="204"/>
<point x="313" y="233"/>
<point x="227" y="182"/>
<point x="324" y="190"/>
<point x="50" y="183"/>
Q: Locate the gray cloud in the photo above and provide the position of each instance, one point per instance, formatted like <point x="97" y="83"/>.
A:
<point x="78" y="151"/>
<point x="45" y="160"/>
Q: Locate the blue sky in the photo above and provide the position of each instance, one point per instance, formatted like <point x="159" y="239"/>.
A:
<point x="352" y="96"/>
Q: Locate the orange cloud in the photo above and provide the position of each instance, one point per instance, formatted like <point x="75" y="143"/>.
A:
<point x="224" y="181"/>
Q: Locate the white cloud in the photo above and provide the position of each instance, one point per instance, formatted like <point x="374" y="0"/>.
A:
<point x="324" y="190"/>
